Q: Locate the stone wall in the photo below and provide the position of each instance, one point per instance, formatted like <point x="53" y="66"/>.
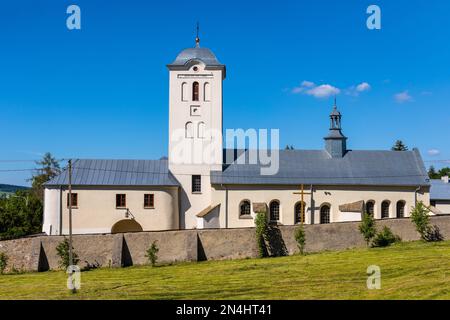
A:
<point x="118" y="250"/>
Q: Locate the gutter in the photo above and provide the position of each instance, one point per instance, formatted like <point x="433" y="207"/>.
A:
<point x="226" y="205"/>
<point x="415" y="194"/>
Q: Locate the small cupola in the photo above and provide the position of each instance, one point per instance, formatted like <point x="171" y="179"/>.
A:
<point x="335" y="142"/>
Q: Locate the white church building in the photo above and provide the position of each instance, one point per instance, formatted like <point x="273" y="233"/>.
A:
<point x="339" y="184"/>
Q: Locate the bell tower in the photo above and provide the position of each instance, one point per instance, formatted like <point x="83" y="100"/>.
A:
<point x="336" y="142"/>
<point x="195" y="126"/>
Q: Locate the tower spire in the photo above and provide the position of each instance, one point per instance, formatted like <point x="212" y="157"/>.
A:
<point x="197" y="39"/>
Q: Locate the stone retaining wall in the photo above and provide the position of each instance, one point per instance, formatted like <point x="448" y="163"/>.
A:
<point x="118" y="250"/>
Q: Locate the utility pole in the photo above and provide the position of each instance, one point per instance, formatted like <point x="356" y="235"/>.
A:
<point x="70" y="214"/>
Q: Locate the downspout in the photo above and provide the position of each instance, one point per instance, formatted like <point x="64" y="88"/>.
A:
<point x="415" y="195"/>
<point x="311" y="220"/>
<point x="226" y="205"/>
<point x="60" y="209"/>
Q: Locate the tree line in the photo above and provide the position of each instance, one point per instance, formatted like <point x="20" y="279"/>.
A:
<point x="21" y="213"/>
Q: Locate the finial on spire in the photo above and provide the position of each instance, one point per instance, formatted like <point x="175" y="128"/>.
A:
<point x="197" y="39"/>
<point x="335" y="104"/>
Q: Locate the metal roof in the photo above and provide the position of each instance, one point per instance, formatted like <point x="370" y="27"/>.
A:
<point x="440" y="190"/>
<point x="117" y="173"/>
<point x="203" y="54"/>
<point x="393" y="168"/>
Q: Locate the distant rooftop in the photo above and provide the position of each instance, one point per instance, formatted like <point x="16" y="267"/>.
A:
<point x="440" y="190"/>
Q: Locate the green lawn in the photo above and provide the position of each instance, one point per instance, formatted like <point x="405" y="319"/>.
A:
<point x="412" y="270"/>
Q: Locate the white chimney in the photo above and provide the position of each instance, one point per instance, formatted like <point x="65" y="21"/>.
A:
<point x="445" y="179"/>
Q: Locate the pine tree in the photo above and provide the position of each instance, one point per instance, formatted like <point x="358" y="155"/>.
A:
<point x="48" y="168"/>
<point x="399" y="146"/>
<point x="432" y="173"/>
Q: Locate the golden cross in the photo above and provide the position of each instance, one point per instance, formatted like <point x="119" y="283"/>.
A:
<point x="302" y="203"/>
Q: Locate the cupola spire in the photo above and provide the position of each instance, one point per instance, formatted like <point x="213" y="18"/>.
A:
<point x="197" y="39"/>
<point x="335" y="142"/>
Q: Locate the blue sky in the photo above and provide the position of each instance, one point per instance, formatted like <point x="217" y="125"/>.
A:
<point x="102" y="91"/>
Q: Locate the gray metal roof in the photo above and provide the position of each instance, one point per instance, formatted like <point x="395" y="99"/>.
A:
<point x="439" y="190"/>
<point x="117" y="173"/>
<point x="203" y="54"/>
<point x="393" y="168"/>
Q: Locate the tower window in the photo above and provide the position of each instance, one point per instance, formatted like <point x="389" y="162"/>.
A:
<point x="184" y="89"/>
<point x="207" y="91"/>
<point x="196" y="183"/>
<point x="195" y="91"/>
<point x="189" y="130"/>
<point x="201" y="130"/>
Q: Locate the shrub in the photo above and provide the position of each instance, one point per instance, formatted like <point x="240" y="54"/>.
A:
<point x="367" y="227"/>
<point x="300" y="237"/>
<point x="261" y="233"/>
<point x="62" y="251"/>
<point x="420" y="217"/>
<point x="152" y="253"/>
<point x="385" y="238"/>
<point x="3" y="262"/>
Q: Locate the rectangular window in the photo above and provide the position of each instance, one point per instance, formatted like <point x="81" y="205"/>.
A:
<point x="196" y="183"/>
<point x="121" y="201"/>
<point x="74" y="200"/>
<point x="149" y="201"/>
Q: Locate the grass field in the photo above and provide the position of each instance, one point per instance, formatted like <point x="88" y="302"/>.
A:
<point x="412" y="270"/>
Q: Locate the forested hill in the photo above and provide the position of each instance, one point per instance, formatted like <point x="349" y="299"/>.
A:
<point x="7" y="188"/>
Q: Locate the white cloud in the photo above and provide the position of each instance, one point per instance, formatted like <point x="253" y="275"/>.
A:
<point x="363" y="87"/>
<point x="327" y="90"/>
<point x="303" y="86"/>
<point x="434" y="152"/>
<point x="308" y="84"/>
<point x="323" y="91"/>
<point x="356" y="90"/>
<point x="403" y="97"/>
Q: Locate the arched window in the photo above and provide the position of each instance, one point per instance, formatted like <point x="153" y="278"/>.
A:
<point x="195" y="91"/>
<point x="201" y="130"/>
<point x="189" y="130"/>
<point x="274" y="208"/>
<point x="207" y="91"/>
<point x="370" y="207"/>
<point x="244" y="208"/>
<point x="325" y="214"/>
<point x="184" y="90"/>
<point x="385" y="210"/>
<point x="300" y="212"/>
<point x="400" y="209"/>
